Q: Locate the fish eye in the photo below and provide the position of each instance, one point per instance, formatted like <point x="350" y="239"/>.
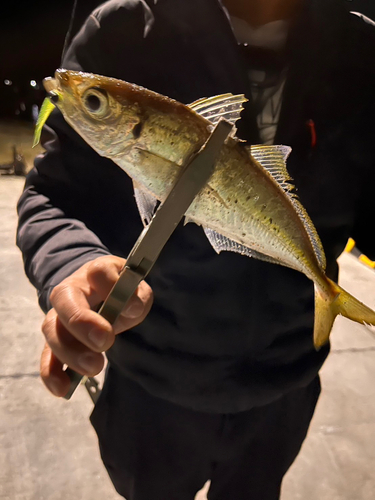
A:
<point x="96" y="101"/>
<point x="93" y="102"/>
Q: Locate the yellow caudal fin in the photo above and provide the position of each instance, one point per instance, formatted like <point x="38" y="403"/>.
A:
<point x="339" y="302"/>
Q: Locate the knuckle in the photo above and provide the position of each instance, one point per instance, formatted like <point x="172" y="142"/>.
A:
<point x="48" y="322"/>
<point x="75" y="319"/>
<point x="98" y="266"/>
<point x="104" y="271"/>
<point x="57" y="292"/>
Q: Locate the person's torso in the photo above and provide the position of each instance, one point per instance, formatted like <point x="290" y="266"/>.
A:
<point x="227" y="332"/>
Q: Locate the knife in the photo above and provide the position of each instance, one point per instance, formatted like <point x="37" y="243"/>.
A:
<point x="151" y="241"/>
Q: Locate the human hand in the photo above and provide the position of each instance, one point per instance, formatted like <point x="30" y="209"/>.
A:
<point x="75" y="334"/>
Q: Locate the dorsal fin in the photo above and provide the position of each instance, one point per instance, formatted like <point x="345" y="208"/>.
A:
<point x="273" y="158"/>
<point x="226" y="106"/>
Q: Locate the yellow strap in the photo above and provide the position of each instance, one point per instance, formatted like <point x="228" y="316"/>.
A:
<point x="365" y="260"/>
<point x="350" y="245"/>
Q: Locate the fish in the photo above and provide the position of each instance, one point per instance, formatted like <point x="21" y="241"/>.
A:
<point x="249" y="204"/>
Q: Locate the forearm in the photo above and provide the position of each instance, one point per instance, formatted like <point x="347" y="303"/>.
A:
<point x="53" y="246"/>
<point x="56" y="209"/>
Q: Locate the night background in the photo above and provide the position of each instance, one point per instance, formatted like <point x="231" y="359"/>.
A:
<point x="48" y="450"/>
<point x="32" y="38"/>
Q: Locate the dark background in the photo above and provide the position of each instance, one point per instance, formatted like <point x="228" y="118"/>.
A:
<point x="32" y="38"/>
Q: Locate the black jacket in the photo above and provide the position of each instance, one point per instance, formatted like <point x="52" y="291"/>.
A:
<point x="225" y="332"/>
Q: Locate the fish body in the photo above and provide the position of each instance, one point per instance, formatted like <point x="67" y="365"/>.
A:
<point x="248" y="205"/>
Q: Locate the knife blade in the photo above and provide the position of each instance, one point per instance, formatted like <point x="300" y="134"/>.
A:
<point x="151" y="241"/>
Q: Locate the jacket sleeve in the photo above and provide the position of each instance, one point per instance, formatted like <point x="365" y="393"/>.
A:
<point x="76" y="205"/>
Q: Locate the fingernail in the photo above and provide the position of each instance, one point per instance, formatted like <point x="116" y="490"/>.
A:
<point x="134" y="310"/>
<point x="87" y="362"/>
<point x="97" y="337"/>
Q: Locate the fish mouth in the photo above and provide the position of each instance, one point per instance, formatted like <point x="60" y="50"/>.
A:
<point x="62" y="80"/>
<point x="50" y="84"/>
<point x="55" y="86"/>
<point x="52" y="88"/>
<point x="54" y="93"/>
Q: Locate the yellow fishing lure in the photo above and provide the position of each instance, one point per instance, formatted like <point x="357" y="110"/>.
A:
<point x="45" y="111"/>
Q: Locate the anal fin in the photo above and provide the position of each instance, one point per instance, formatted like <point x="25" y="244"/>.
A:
<point x="222" y="243"/>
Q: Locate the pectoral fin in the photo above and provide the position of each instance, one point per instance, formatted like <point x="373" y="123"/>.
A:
<point x="146" y="203"/>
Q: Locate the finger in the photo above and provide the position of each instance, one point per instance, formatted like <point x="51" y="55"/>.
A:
<point x="68" y="350"/>
<point x="140" y="306"/>
<point x="52" y="374"/>
<point x="102" y="274"/>
<point x="73" y="310"/>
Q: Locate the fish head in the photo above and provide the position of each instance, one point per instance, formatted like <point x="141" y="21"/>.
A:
<point x="103" y="111"/>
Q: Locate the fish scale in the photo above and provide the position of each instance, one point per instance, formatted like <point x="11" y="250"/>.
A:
<point x="248" y="206"/>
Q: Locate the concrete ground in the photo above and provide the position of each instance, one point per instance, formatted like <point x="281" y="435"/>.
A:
<point x="48" y="450"/>
<point x="20" y="134"/>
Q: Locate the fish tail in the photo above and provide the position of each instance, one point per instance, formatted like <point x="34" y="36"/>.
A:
<point x="337" y="302"/>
